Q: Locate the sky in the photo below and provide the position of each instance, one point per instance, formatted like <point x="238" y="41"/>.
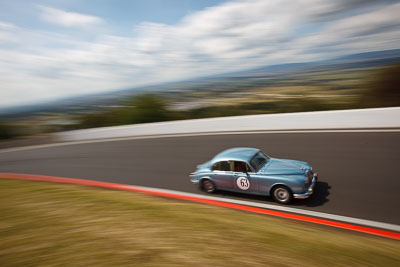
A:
<point x="54" y="49"/>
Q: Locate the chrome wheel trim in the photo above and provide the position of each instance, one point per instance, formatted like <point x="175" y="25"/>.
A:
<point x="208" y="186"/>
<point x="282" y="194"/>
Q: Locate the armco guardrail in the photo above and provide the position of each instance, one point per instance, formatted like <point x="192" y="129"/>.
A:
<point x="341" y="119"/>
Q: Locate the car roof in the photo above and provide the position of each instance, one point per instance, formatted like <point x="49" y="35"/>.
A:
<point x="237" y="153"/>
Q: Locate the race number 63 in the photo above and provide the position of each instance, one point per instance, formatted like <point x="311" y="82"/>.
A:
<point x="243" y="183"/>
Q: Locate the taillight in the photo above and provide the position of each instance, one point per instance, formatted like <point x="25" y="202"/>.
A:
<point x="309" y="174"/>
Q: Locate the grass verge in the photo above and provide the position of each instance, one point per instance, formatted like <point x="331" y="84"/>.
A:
<point x="66" y="225"/>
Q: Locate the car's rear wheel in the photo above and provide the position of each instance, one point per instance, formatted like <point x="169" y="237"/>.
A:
<point x="282" y="194"/>
<point x="207" y="186"/>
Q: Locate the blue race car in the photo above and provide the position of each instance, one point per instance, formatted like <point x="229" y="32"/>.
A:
<point x="249" y="170"/>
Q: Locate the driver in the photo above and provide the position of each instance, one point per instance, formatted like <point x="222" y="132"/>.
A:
<point x="240" y="166"/>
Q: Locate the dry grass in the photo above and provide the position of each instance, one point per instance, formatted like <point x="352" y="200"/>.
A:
<point x="63" y="225"/>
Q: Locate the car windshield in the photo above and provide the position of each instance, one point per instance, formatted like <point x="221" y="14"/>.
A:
<point x="259" y="160"/>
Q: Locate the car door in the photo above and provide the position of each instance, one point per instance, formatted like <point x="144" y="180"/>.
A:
<point x="222" y="175"/>
<point x="243" y="179"/>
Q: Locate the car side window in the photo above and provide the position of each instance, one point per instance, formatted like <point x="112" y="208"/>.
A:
<point x="240" y="166"/>
<point x="221" y="166"/>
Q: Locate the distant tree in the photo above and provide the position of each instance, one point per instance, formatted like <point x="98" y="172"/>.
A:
<point x="143" y="108"/>
<point x="384" y="88"/>
<point x="6" y="131"/>
<point x="93" y="120"/>
<point x="149" y="108"/>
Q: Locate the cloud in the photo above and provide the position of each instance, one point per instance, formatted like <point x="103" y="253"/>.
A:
<point x="230" y="37"/>
<point x="378" y="29"/>
<point x="380" y="20"/>
<point x="6" y="32"/>
<point x="6" y="26"/>
<point x="68" y="19"/>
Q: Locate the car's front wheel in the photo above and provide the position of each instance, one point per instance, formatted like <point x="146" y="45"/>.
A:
<point x="282" y="194"/>
<point x="208" y="186"/>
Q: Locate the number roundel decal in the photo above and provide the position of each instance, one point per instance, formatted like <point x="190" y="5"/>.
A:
<point x="243" y="183"/>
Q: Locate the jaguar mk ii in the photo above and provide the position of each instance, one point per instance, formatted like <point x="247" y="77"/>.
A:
<point x="251" y="171"/>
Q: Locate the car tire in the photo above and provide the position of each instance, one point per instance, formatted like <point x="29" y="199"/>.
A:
<point x="282" y="194"/>
<point x="207" y="186"/>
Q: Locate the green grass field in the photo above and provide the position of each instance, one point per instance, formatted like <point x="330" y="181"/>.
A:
<point x="44" y="224"/>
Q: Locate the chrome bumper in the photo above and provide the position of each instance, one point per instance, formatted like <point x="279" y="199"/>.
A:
<point x="191" y="176"/>
<point x="310" y="190"/>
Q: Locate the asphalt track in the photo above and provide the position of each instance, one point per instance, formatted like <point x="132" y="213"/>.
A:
<point x="359" y="172"/>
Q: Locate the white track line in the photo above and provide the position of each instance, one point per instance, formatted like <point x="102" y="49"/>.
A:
<point x="381" y="225"/>
<point x="195" y="134"/>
